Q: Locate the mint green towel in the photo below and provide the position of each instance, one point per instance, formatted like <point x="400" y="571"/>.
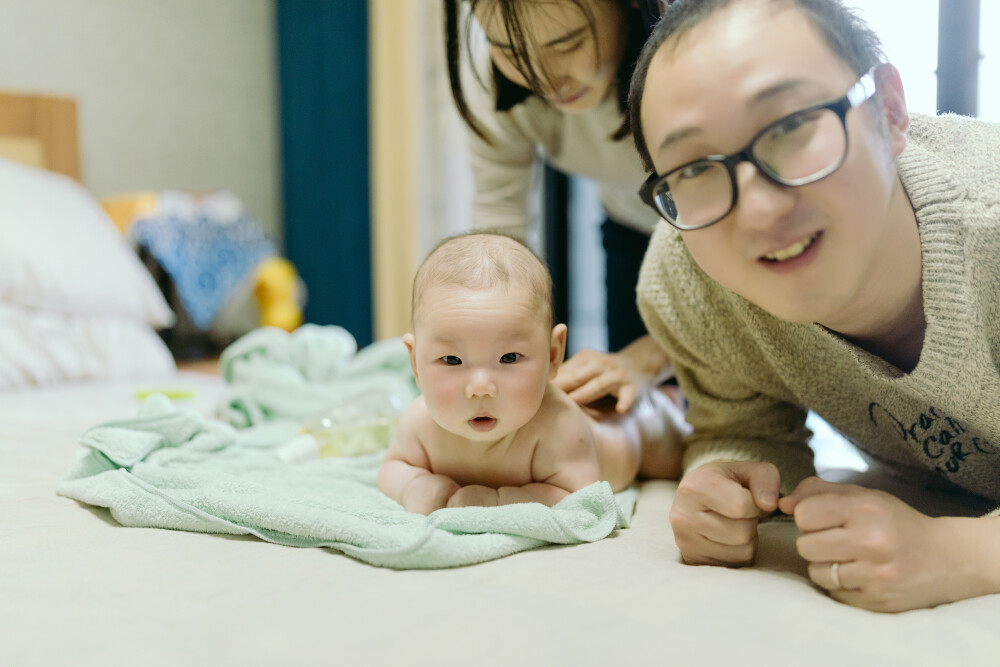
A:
<point x="179" y="470"/>
<point x="272" y="374"/>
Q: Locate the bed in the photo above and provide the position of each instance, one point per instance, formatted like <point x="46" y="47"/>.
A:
<point x="78" y="349"/>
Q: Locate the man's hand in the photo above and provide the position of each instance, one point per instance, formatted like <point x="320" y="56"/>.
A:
<point x="716" y="509"/>
<point x="889" y="556"/>
<point x="590" y="375"/>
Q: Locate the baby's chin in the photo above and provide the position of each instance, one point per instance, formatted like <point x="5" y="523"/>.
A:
<point x="484" y="432"/>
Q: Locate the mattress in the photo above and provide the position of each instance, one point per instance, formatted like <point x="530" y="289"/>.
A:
<point x="77" y="588"/>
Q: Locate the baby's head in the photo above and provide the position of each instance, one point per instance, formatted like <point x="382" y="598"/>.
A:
<point x="484" y="261"/>
<point x="483" y="346"/>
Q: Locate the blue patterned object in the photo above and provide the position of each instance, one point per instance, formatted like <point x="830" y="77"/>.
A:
<point x="208" y="245"/>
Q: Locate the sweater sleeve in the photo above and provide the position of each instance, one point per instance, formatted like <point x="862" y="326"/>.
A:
<point x="738" y="408"/>
<point x="503" y="164"/>
<point x="503" y="175"/>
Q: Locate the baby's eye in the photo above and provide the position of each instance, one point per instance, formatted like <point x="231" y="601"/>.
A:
<point x="451" y="360"/>
<point x="510" y="357"/>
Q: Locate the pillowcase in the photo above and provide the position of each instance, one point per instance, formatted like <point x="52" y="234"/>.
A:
<point x="44" y="348"/>
<point x="60" y="252"/>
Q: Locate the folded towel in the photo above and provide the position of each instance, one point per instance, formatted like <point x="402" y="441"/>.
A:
<point x="179" y="470"/>
<point x="273" y="374"/>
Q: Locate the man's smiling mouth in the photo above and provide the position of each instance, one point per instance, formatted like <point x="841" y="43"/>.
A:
<point x="791" y="251"/>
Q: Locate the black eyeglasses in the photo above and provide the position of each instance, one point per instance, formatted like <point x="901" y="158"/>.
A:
<point x="799" y="149"/>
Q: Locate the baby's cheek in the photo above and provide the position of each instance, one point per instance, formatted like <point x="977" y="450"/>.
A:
<point x="439" y="391"/>
<point x="528" y="392"/>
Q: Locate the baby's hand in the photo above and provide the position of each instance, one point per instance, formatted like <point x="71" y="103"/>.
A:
<point x="474" y="495"/>
<point x="428" y="493"/>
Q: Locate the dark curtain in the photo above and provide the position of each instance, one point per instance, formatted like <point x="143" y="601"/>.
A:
<point x="323" y="70"/>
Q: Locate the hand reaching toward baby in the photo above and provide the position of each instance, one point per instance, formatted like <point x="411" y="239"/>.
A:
<point x="590" y="375"/>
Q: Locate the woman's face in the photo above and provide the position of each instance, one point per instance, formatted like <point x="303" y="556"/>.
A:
<point x="575" y="47"/>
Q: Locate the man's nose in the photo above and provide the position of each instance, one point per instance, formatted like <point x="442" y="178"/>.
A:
<point x="760" y="202"/>
<point x="480" y="384"/>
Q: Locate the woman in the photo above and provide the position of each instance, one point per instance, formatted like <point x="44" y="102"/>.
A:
<point x="550" y="78"/>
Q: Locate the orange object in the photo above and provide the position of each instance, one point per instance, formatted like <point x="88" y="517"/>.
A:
<point x="124" y="209"/>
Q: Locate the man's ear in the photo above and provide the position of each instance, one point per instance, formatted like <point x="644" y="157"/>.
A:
<point x="411" y="343"/>
<point x="557" y="349"/>
<point x="893" y="101"/>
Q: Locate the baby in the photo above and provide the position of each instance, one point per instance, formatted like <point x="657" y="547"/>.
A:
<point x="490" y="428"/>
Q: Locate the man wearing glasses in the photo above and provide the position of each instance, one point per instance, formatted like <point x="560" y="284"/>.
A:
<point x="822" y="250"/>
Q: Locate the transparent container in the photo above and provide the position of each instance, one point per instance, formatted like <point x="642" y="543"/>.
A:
<point x="364" y="424"/>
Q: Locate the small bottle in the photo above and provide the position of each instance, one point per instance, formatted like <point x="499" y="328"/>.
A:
<point x="302" y="447"/>
<point x="363" y="425"/>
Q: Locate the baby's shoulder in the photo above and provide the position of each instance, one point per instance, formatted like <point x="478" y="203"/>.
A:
<point x="414" y="417"/>
<point x="416" y="427"/>
<point x="561" y="417"/>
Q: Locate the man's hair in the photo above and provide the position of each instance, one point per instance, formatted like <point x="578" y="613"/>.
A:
<point x="485" y="260"/>
<point x="845" y="33"/>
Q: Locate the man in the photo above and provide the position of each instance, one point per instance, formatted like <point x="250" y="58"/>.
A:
<point x="823" y="253"/>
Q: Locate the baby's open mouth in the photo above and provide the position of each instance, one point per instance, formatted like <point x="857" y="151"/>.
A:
<point x="482" y="423"/>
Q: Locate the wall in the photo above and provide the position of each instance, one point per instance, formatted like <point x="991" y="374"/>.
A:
<point x="171" y="93"/>
<point x="421" y="186"/>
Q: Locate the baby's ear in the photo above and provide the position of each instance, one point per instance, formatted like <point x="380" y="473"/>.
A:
<point x="411" y="344"/>
<point x="557" y="349"/>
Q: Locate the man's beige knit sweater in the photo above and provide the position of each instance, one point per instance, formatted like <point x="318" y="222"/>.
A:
<point x="750" y="377"/>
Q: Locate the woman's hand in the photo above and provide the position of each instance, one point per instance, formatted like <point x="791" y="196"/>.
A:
<point x="889" y="556"/>
<point x="590" y="375"/>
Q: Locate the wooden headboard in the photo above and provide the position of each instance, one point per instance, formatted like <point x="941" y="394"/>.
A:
<point x="40" y="131"/>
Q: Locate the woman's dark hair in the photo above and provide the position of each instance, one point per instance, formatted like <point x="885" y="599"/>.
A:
<point x="638" y="23"/>
<point x="847" y="35"/>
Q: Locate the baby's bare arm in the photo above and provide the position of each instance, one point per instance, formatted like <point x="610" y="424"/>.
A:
<point x="564" y="461"/>
<point x="405" y="474"/>
<point x="476" y="495"/>
<point x="566" y="454"/>
<point x="417" y="489"/>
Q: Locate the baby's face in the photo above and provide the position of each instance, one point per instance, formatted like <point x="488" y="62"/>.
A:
<point x="482" y="358"/>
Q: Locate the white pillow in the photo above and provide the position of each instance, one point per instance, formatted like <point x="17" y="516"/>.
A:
<point x="44" y="348"/>
<point x="59" y="251"/>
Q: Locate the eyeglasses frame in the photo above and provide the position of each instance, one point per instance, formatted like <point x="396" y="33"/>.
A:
<point x="859" y="93"/>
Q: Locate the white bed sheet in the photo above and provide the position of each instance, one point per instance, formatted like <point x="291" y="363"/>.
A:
<point x="76" y="588"/>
